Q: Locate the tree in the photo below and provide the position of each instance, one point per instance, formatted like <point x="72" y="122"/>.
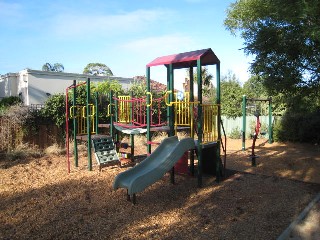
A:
<point x="231" y="96"/>
<point x="207" y="86"/>
<point x="284" y="37"/>
<point x="57" y="67"/>
<point x="97" y="69"/>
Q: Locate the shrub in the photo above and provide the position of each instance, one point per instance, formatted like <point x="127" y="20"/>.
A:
<point x="298" y="127"/>
<point x="24" y="151"/>
<point x="235" y="133"/>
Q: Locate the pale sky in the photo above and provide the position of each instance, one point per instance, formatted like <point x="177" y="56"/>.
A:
<point x="123" y="34"/>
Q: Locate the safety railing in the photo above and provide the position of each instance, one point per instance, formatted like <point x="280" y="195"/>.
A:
<point x="210" y="123"/>
<point x="80" y="114"/>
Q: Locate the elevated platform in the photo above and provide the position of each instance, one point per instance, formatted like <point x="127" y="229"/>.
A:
<point x="85" y="137"/>
<point x="167" y="129"/>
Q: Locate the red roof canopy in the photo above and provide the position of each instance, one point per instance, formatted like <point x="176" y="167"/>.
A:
<point x="187" y="59"/>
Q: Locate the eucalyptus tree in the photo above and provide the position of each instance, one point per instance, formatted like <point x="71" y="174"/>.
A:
<point x="97" y="69"/>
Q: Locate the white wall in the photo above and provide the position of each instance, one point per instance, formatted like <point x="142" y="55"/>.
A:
<point x="8" y="85"/>
<point x="36" y="86"/>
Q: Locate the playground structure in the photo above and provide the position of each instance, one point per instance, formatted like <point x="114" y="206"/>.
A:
<point x="132" y="116"/>
<point x="208" y="124"/>
<point x="257" y="114"/>
<point x="181" y="108"/>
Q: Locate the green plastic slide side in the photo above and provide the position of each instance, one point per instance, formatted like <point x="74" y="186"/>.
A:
<point x="104" y="150"/>
<point x="154" y="166"/>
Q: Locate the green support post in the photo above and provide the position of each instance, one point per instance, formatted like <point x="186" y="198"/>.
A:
<point x="131" y="135"/>
<point x="171" y="113"/>
<point x="148" y="111"/>
<point x="270" y="122"/>
<point x="199" y="123"/>
<point x="244" y="124"/>
<point x="171" y="99"/>
<point x="191" y="130"/>
<point x="75" y="124"/>
<point x="88" y="126"/>
<point x="116" y="135"/>
<point x="218" y="101"/>
<point x="96" y="113"/>
<point x="111" y="115"/>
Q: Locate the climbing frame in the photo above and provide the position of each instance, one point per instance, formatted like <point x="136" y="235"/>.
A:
<point x="105" y="151"/>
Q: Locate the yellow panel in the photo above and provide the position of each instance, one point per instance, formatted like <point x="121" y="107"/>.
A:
<point x="124" y="109"/>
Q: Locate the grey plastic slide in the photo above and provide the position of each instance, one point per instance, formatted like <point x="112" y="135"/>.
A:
<point x="153" y="168"/>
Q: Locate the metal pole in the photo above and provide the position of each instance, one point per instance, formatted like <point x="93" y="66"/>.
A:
<point x="132" y="135"/>
<point x="270" y="122"/>
<point x="111" y="115"/>
<point x="244" y="105"/>
<point x="67" y="131"/>
<point x="88" y="126"/>
<point x="96" y="113"/>
<point x="192" y="115"/>
<point x="199" y="123"/>
<point x="148" y="111"/>
<point x="171" y="113"/>
<point x="75" y="124"/>
<point x="218" y="101"/>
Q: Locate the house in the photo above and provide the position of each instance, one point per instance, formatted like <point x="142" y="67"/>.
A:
<point x="34" y="86"/>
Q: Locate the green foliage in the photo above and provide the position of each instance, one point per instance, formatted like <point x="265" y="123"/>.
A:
<point x="284" y="37"/>
<point x="298" y="127"/>
<point x="7" y="102"/>
<point x="97" y="69"/>
<point x="138" y="89"/>
<point x="57" y="67"/>
<point x="106" y="86"/>
<point x="231" y="96"/>
<point x="208" y="90"/>
<point x="235" y="133"/>
<point x="55" y="109"/>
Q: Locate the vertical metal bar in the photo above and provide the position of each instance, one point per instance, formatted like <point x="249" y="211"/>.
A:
<point x="192" y="118"/>
<point x="270" y="122"/>
<point x="88" y="126"/>
<point x="96" y="114"/>
<point x="67" y="131"/>
<point x="218" y="158"/>
<point x="148" y="112"/>
<point x="171" y="99"/>
<point x="244" y="117"/>
<point x="116" y="119"/>
<point x="75" y="127"/>
<point x="111" y="115"/>
<point x="131" y="107"/>
<point x="200" y="122"/>
<point x="171" y="120"/>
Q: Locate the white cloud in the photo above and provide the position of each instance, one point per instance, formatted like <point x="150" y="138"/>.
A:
<point x="82" y="24"/>
<point x="160" y="45"/>
<point x="147" y="49"/>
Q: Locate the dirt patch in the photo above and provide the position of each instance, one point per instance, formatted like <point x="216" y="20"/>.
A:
<point x="40" y="200"/>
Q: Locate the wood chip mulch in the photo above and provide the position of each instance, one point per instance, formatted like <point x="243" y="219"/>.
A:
<point x="40" y="200"/>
